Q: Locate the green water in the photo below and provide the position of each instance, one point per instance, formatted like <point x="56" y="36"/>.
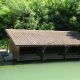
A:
<point x="69" y="70"/>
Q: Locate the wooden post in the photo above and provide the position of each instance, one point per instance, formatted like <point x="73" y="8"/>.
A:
<point x="7" y="47"/>
<point x="42" y="54"/>
<point x="66" y="49"/>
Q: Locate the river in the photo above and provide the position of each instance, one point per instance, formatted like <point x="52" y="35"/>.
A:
<point x="36" y="70"/>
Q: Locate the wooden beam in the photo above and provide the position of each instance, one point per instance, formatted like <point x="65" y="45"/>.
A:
<point x="43" y="49"/>
<point x="42" y="54"/>
<point x="66" y="48"/>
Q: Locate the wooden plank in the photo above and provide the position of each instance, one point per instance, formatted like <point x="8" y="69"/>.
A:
<point x="29" y="57"/>
<point x="14" y="50"/>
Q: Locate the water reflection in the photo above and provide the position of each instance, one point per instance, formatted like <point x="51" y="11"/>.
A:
<point x="6" y="63"/>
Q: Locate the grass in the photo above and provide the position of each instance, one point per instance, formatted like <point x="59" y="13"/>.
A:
<point x="3" y="43"/>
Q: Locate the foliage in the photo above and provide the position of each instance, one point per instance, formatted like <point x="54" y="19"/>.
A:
<point x="21" y="15"/>
<point x="3" y="43"/>
<point x="4" y="10"/>
<point x="39" y="14"/>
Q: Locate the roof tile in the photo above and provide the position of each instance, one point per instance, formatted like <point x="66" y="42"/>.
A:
<point x="23" y="37"/>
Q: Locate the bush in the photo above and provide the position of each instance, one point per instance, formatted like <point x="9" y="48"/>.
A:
<point x="4" y="43"/>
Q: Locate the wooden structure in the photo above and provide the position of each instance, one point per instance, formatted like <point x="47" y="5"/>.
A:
<point x="40" y="44"/>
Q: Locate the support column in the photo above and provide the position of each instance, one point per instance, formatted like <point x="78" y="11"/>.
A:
<point x="42" y="53"/>
<point x="66" y="49"/>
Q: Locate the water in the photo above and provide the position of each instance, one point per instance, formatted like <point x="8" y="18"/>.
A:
<point x="52" y="70"/>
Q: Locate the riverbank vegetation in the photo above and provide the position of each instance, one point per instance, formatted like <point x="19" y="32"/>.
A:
<point x="39" y="15"/>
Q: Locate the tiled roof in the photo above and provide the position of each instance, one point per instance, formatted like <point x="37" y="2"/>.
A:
<point x="22" y="37"/>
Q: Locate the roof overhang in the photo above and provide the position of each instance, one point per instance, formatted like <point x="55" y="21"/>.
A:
<point x="22" y="37"/>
